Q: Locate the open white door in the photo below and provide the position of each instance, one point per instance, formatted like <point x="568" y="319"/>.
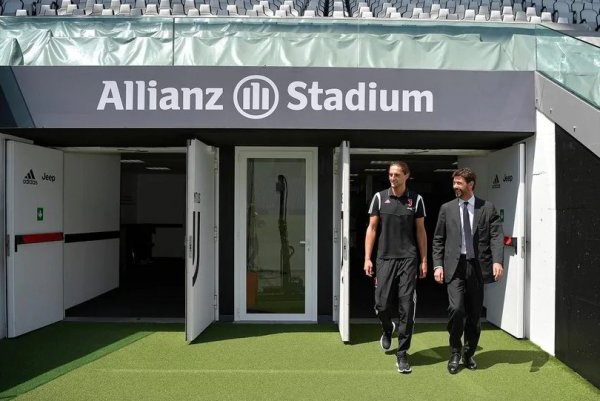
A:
<point x="341" y="258"/>
<point x="200" y="294"/>
<point x="504" y="300"/>
<point x="34" y="225"/>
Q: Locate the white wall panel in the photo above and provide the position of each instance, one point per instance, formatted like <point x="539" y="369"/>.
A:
<point x="92" y="205"/>
<point x="542" y="245"/>
<point x="91" y="269"/>
<point x="92" y="187"/>
<point x="3" y="331"/>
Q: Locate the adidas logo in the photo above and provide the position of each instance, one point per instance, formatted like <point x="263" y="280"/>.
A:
<point x="30" y="178"/>
<point x="496" y="182"/>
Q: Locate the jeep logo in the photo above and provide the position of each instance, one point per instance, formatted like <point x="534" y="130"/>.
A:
<point x="47" y="177"/>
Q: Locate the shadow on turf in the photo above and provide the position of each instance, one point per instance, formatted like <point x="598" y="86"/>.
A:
<point x="485" y="359"/>
<point x="227" y="331"/>
<point x="359" y="333"/>
<point x="366" y="333"/>
<point x="43" y="355"/>
<point x="488" y="359"/>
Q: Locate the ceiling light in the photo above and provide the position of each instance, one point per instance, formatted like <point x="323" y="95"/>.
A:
<point x="131" y="161"/>
<point x="375" y="169"/>
<point x="158" y="168"/>
<point x="380" y="162"/>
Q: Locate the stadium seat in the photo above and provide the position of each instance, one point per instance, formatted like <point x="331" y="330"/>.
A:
<point x="495" y="16"/>
<point x="188" y="4"/>
<point x="530" y="12"/>
<point x="124" y="10"/>
<point x="576" y="8"/>
<point x="47" y="10"/>
<point x="484" y="10"/>
<point x="587" y="15"/>
<point x="204" y="10"/>
<point x="266" y="8"/>
<point x="520" y="16"/>
<point x="97" y="9"/>
<point x="451" y="6"/>
<point x="546" y="16"/>
<point x="177" y="9"/>
<point x="232" y="10"/>
<point x="292" y="10"/>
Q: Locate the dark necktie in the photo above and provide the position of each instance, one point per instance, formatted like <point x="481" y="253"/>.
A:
<point x="468" y="234"/>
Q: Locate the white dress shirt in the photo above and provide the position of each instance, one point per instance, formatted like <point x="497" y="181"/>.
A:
<point x="471" y="208"/>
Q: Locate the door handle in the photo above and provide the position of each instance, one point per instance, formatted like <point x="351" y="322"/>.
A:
<point x="303" y="243"/>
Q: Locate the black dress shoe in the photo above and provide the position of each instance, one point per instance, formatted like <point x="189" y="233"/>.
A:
<point x="469" y="362"/>
<point x="453" y="363"/>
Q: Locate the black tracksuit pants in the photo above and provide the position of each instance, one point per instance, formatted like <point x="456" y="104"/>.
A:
<point x="396" y="282"/>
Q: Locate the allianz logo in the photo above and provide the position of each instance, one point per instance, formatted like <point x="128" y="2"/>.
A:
<point x="31" y="180"/>
<point x="257" y="97"/>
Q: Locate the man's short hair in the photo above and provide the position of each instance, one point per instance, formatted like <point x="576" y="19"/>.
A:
<point x="403" y="166"/>
<point x="467" y="174"/>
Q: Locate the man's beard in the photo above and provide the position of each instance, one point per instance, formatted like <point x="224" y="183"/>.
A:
<point x="458" y="193"/>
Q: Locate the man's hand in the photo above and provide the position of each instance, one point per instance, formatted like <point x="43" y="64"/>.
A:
<point x="423" y="270"/>
<point x="498" y="271"/>
<point x="368" y="268"/>
<point x="438" y="275"/>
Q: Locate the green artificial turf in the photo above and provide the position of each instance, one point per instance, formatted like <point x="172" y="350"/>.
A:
<point x="118" y="362"/>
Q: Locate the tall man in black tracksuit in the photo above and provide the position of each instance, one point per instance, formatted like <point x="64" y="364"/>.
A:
<point x="401" y="213"/>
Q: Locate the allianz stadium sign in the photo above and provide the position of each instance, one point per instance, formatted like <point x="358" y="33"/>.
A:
<point x="277" y="98"/>
<point x="257" y="97"/>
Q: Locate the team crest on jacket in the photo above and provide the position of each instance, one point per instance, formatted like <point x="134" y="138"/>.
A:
<point x="409" y="203"/>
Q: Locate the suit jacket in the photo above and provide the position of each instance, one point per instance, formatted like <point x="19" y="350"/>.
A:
<point x="488" y="238"/>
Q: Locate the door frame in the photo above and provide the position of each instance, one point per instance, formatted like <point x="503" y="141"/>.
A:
<point x="242" y="154"/>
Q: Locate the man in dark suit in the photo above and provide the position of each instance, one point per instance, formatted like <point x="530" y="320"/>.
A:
<point x="468" y="251"/>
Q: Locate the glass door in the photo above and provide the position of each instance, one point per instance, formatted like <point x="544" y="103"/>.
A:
<point x="276" y="234"/>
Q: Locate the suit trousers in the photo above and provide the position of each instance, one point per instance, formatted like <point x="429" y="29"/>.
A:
<point x="396" y="288"/>
<point x="465" y="296"/>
